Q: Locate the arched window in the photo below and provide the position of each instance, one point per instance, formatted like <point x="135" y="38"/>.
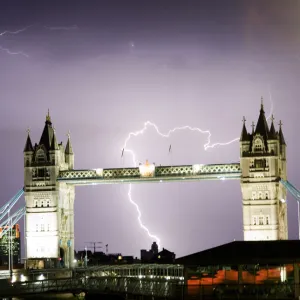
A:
<point x="258" y="145"/>
<point x="48" y="203"/>
<point x="42" y="203"/>
<point x="36" y="203"/>
<point x="40" y="156"/>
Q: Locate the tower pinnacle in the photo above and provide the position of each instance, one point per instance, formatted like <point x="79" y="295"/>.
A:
<point x="48" y="118"/>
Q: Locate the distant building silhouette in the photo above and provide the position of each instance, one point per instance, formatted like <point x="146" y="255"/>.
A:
<point x="153" y="256"/>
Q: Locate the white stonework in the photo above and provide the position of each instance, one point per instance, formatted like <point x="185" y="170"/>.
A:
<point x="49" y="204"/>
<point x="263" y="163"/>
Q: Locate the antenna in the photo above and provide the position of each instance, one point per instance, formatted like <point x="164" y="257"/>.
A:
<point x="95" y="247"/>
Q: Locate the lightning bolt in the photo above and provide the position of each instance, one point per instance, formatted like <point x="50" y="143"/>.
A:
<point x="272" y="104"/>
<point x="13" y="53"/>
<point x="8" y="51"/>
<point x="207" y="146"/>
<point x="15" y="32"/>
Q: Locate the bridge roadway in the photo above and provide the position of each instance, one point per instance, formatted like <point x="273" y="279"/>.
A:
<point x="156" y="280"/>
<point x="151" y="173"/>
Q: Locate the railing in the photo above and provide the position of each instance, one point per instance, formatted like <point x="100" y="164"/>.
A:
<point x="161" y="173"/>
<point x="113" y="285"/>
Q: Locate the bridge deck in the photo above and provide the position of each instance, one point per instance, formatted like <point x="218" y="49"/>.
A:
<point x="151" y="173"/>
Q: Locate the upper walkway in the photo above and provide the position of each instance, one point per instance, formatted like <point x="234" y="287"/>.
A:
<point x="151" y="173"/>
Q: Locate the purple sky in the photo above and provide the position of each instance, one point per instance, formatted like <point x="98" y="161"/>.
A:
<point x="103" y="69"/>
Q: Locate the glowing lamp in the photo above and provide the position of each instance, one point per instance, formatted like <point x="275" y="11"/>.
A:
<point x="147" y="170"/>
<point x="99" y="172"/>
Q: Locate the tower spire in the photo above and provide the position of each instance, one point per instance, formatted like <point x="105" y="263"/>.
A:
<point x="272" y="133"/>
<point x="69" y="149"/>
<point x="244" y="134"/>
<point x="28" y="145"/>
<point x="281" y="137"/>
<point x="262" y="103"/>
<point x="48" y="118"/>
<point x="54" y="145"/>
<point x="262" y="127"/>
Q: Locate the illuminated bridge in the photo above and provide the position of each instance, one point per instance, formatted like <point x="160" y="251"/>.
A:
<point x="50" y="180"/>
<point x="151" y="173"/>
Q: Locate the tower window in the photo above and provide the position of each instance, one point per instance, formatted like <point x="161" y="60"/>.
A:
<point x="42" y="227"/>
<point x="258" y="145"/>
<point x="48" y="203"/>
<point x="40" y="155"/>
<point x="35" y="203"/>
<point x="267" y="220"/>
<point x="261" y="220"/>
<point x="41" y="172"/>
<point x="267" y="195"/>
<point x="254" y="220"/>
<point x="42" y="203"/>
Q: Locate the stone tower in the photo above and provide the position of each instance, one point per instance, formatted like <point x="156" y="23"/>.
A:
<point x="263" y="163"/>
<point x="49" y="204"/>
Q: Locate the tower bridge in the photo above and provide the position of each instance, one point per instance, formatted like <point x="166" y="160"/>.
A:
<point x="50" y="180"/>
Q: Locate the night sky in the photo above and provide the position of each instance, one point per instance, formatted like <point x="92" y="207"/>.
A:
<point x="105" y="68"/>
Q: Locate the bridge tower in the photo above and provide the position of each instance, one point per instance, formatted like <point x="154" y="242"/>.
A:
<point x="263" y="163"/>
<point x="49" y="225"/>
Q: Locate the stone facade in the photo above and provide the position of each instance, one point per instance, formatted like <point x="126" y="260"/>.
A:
<point x="263" y="164"/>
<point x="49" y="204"/>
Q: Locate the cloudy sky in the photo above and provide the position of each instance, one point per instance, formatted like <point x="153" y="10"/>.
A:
<point x="105" y="68"/>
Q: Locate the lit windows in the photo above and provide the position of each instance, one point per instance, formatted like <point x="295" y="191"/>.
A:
<point x="254" y="220"/>
<point x="261" y="220"/>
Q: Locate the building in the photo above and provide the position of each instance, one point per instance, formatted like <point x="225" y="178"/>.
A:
<point x="164" y="257"/>
<point x="263" y="164"/>
<point x="147" y="255"/>
<point x="153" y="256"/>
<point x="49" y="204"/>
<point x="245" y="268"/>
<point x="15" y="246"/>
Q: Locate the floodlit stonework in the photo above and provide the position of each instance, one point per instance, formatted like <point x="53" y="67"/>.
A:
<point x="49" y="204"/>
<point x="263" y="163"/>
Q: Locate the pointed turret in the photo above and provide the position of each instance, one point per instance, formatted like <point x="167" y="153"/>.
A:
<point x="244" y="133"/>
<point x="272" y="132"/>
<point x="69" y="149"/>
<point x="54" y="144"/>
<point x="280" y="133"/>
<point x="28" y="145"/>
<point x="262" y="127"/>
<point x="47" y="134"/>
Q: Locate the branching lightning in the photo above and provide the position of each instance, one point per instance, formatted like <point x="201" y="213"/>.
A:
<point x="207" y="145"/>
<point x="8" y="51"/>
<point x="15" y="32"/>
<point x="13" y="53"/>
